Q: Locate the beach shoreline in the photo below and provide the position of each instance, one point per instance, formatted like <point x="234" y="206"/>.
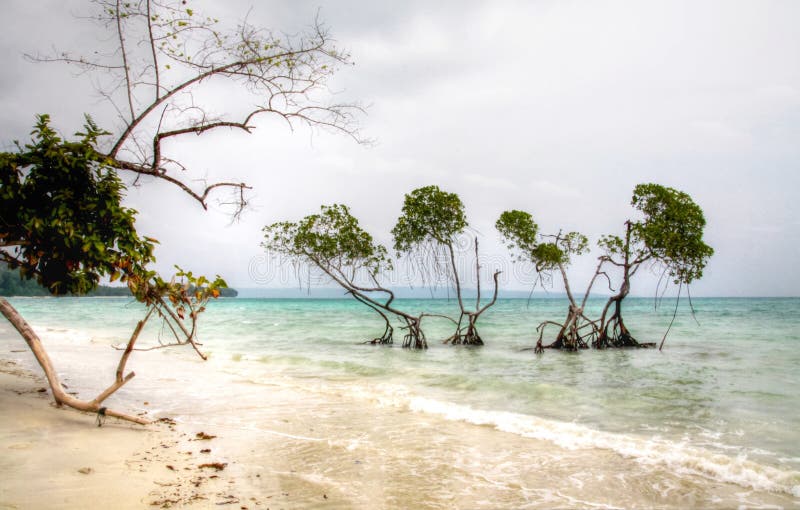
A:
<point x="336" y="424"/>
<point x="59" y="458"/>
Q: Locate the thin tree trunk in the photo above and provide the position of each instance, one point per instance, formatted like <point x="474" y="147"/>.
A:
<point x="471" y="337"/>
<point x="455" y="276"/>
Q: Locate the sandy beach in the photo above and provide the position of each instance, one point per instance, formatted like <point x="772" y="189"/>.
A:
<point x="336" y="424"/>
<point x="60" y="458"/>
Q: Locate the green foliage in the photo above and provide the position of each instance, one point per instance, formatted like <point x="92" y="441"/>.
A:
<point x="332" y="239"/>
<point x="520" y="233"/>
<point x="612" y="245"/>
<point x="62" y="223"/>
<point x="429" y="214"/>
<point x="671" y="231"/>
<point x="61" y="218"/>
<point x="573" y="243"/>
<point x="547" y="256"/>
<point x="188" y="296"/>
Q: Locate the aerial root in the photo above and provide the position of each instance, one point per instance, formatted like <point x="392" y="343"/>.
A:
<point x="616" y="335"/>
<point x="468" y="338"/>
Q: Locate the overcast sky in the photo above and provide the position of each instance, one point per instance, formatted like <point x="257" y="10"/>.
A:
<point x="556" y="107"/>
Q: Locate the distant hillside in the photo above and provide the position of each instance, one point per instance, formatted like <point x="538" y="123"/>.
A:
<point x="11" y="284"/>
<point x="400" y="293"/>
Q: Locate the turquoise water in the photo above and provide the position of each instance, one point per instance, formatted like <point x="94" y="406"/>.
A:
<point x="722" y="401"/>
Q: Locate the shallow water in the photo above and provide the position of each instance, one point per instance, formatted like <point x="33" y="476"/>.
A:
<point x="711" y="421"/>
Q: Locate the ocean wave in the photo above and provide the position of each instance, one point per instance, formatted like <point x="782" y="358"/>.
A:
<point x="676" y="456"/>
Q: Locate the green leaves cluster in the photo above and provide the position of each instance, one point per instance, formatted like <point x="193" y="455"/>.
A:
<point x="62" y="223"/>
<point x="670" y="233"/>
<point x="429" y="214"/>
<point x="332" y="239"/>
<point x="187" y="296"/>
<point x="519" y="232"/>
<point x="521" y="235"/>
<point x="61" y="218"/>
<point x="671" y="230"/>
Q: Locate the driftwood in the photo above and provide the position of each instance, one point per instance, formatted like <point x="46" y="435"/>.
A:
<point x="59" y="395"/>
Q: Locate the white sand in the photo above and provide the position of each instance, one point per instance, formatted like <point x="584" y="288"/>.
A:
<point x="58" y="458"/>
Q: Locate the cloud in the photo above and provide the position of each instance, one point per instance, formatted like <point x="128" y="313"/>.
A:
<point x="485" y="181"/>
<point x="720" y="135"/>
<point x="554" y="189"/>
<point x="559" y="108"/>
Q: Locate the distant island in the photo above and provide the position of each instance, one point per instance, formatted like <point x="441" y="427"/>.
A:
<point x="420" y="292"/>
<point x="12" y="284"/>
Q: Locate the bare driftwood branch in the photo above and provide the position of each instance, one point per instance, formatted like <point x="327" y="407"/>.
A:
<point x="61" y="397"/>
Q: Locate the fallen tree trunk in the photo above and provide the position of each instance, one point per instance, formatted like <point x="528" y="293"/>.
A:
<point x="59" y="395"/>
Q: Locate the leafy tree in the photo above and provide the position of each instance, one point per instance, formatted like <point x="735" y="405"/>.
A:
<point x="669" y="235"/>
<point x="428" y="227"/>
<point x="165" y="54"/>
<point x="548" y="253"/>
<point x="62" y="215"/>
<point x="335" y="243"/>
<point x="63" y="225"/>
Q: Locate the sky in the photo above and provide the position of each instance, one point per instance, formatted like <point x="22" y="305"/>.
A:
<point x="558" y="108"/>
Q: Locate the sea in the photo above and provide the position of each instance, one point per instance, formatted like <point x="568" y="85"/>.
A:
<point x="710" y="421"/>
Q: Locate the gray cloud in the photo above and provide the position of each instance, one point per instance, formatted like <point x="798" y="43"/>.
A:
<point x="559" y="108"/>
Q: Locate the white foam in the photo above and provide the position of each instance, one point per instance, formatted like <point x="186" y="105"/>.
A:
<point x="676" y="456"/>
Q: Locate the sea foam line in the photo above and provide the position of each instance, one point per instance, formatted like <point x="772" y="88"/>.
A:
<point x="651" y="451"/>
<point x="676" y="456"/>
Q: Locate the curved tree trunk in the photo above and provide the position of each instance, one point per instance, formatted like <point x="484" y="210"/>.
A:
<point x="414" y="338"/>
<point x="388" y="331"/>
<point x="613" y="332"/>
<point x="59" y="395"/>
<point x="387" y="337"/>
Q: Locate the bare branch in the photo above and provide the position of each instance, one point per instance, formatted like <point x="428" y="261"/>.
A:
<point x="161" y="53"/>
<point x="125" y="66"/>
